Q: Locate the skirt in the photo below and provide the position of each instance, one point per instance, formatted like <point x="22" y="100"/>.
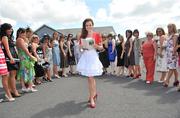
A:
<point x="3" y="66"/>
<point x="89" y="64"/>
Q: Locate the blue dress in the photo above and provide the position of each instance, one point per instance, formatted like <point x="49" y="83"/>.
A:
<point x="111" y="55"/>
<point x="56" y="53"/>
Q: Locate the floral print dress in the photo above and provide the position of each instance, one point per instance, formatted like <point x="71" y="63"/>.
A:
<point x="172" y="62"/>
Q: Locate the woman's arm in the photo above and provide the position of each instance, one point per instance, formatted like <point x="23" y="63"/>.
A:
<point x="34" y="47"/>
<point x="79" y="41"/>
<point x="175" y="37"/>
<point x="44" y="50"/>
<point x="122" y="53"/>
<point x="155" y="49"/>
<point x="6" y="46"/>
<point x="69" y="47"/>
<point x="20" y="43"/>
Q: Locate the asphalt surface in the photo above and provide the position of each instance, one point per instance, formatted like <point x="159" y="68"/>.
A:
<point x="118" y="97"/>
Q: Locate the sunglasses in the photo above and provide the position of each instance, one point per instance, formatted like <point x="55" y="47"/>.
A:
<point x="149" y="35"/>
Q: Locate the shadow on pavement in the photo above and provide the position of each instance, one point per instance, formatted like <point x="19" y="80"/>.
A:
<point x="116" y="79"/>
<point x="166" y="95"/>
<point x="61" y="110"/>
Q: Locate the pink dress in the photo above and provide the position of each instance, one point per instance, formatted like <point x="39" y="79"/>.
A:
<point x="3" y="66"/>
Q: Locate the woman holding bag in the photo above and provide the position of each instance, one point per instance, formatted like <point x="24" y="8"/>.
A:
<point x="89" y="64"/>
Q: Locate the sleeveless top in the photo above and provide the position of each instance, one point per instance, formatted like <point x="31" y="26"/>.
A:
<point x="148" y="49"/>
<point x="12" y="48"/>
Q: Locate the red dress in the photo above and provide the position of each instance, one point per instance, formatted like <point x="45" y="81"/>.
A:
<point x="3" y="66"/>
<point x="148" y="56"/>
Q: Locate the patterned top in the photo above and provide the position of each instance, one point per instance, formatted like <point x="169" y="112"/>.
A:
<point x="171" y="58"/>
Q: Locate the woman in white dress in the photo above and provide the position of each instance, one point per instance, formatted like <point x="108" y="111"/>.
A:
<point x="161" y="54"/>
<point x="89" y="64"/>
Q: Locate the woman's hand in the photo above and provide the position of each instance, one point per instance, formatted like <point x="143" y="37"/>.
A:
<point x="12" y="61"/>
<point x="98" y="47"/>
<point x="33" y="58"/>
<point x="128" y="54"/>
<point x="38" y="59"/>
<point x="64" y="54"/>
<point x="121" y="56"/>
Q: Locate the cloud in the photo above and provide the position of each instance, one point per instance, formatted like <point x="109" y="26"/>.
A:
<point x="35" y="12"/>
<point x="122" y="14"/>
<point x="142" y="14"/>
<point x="7" y="20"/>
<point x="101" y="14"/>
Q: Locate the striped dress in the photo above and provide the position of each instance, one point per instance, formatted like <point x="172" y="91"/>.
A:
<point x="3" y="66"/>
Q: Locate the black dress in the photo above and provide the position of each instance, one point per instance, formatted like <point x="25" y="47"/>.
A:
<point x="71" y="59"/>
<point x="39" y="70"/>
<point x="103" y="57"/>
<point x="12" y="48"/>
<point x="129" y="61"/>
<point x="119" y="49"/>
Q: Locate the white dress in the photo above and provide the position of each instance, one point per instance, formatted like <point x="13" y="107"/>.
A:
<point x="89" y="64"/>
<point x="162" y="61"/>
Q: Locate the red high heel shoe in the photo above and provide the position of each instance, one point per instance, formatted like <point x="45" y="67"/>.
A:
<point x="92" y="105"/>
<point x="176" y="83"/>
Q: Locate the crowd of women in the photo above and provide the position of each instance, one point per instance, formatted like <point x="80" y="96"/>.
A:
<point x="28" y="59"/>
<point x="158" y="51"/>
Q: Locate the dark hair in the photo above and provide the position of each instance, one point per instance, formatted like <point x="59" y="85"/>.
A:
<point x="128" y="31"/>
<point x="84" y="32"/>
<point x="69" y="35"/>
<point x="28" y="29"/>
<point x="110" y="35"/>
<point x="20" y="31"/>
<point x="159" y="28"/>
<point x="45" y="36"/>
<point x="4" y="27"/>
<point x="136" y="31"/>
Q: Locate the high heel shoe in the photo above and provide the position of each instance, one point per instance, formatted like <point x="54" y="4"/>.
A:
<point x="165" y="84"/>
<point x="10" y="99"/>
<point x="92" y="105"/>
<point x="15" y="95"/>
<point x="176" y="83"/>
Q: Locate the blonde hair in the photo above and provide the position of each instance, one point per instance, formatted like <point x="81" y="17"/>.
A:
<point x="34" y="37"/>
<point x="149" y="33"/>
<point x="173" y="26"/>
